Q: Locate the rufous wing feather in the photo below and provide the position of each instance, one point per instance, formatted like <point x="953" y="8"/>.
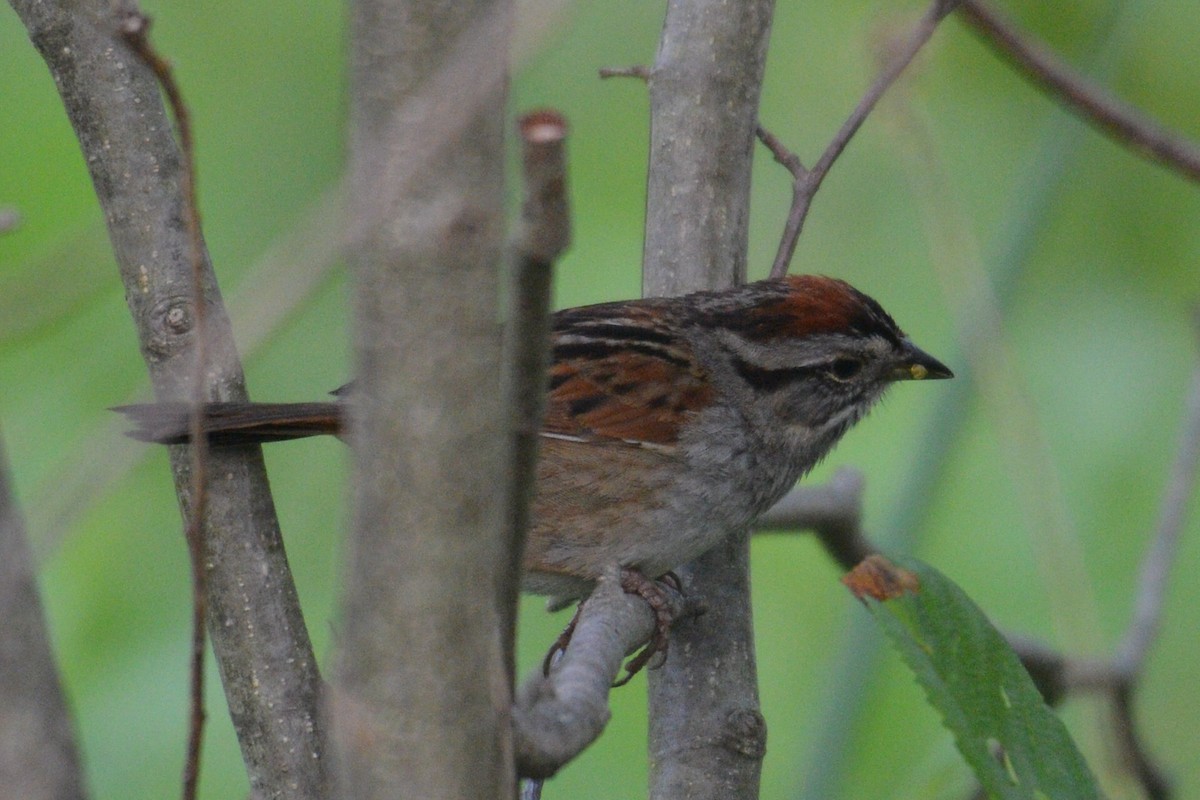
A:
<point x="619" y="376"/>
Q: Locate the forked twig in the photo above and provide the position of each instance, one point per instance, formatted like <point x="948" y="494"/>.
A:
<point x="1037" y="63"/>
<point x="808" y="181"/>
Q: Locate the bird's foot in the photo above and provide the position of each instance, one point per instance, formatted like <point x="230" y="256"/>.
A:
<point x="655" y="593"/>
<point x="654" y="654"/>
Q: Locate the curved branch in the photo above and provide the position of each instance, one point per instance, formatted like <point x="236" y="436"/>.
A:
<point x="557" y="716"/>
<point x="1116" y="119"/>
<point x="135" y="28"/>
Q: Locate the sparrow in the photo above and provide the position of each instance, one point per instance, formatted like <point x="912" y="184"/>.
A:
<point x="669" y="423"/>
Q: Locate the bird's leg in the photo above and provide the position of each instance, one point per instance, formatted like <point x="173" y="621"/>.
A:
<point x="652" y="591"/>
<point x="564" y="639"/>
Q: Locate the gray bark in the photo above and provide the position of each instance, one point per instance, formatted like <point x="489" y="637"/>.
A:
<point x="261" y="644"/>
<point x="558" y="715"/>
<point x="39" y="759"/>
<point x="420" y="707"/>
<point x="707" y="736"/>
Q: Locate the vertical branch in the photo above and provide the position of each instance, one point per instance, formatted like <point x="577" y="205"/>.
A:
<point x="707" y="736"/>
<point x="545" y="233"/>
<point x="421" y="700"/>
<point x="704" y="89"/>
<point x="38" y="759"/>
<point x="258" y="632"/>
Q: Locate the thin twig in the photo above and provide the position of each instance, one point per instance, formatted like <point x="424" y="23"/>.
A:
<point x="808" y="182"/>
<point x="1156" y="567"/>
<point x="135" y="28"/>
<point x="258" y="632"/>
<point x="783" y="156"/>
<point x="1151" y="777"/>
<point x="639" y="71"/>
<point x="1118" y="120"/>
<point x="833" y="512"/>
<point x="545" y="215"/>
<point x="545" y="235"/>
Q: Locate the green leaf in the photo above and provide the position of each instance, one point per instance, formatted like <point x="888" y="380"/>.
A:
<point x="1017" y="747"/>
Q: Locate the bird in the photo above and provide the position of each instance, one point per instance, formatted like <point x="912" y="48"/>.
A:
<point x="669" y="424"/>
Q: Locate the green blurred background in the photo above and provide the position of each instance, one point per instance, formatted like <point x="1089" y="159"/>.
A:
<point x="1041" y="509"/>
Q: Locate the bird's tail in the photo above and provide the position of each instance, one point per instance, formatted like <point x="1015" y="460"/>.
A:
<point x="234" y="423"/>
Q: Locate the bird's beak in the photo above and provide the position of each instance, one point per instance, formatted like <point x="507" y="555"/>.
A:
<point x="914" y="364"/>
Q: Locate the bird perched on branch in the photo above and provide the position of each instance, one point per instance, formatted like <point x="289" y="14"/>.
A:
<point x="670" y="422"/>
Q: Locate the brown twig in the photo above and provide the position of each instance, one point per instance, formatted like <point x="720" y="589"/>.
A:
<point x="257" y="630"/>
<point x="833" y="512"/>
<point x="807" y="182"/>
<point x="1153" y="780"/>
<point x="544" y="236"/>
<point x="135" y="28"/>
<point x="1118" y="120"/>
<point x="639" y="71"/>
<point x="783" y="156"/>
<point x="545" y="214"/>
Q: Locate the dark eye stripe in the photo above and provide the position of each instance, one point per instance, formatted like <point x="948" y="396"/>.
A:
<point x="764" y="379"/>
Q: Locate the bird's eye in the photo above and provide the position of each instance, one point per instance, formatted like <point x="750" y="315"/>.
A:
<point x="845" y="368"/>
